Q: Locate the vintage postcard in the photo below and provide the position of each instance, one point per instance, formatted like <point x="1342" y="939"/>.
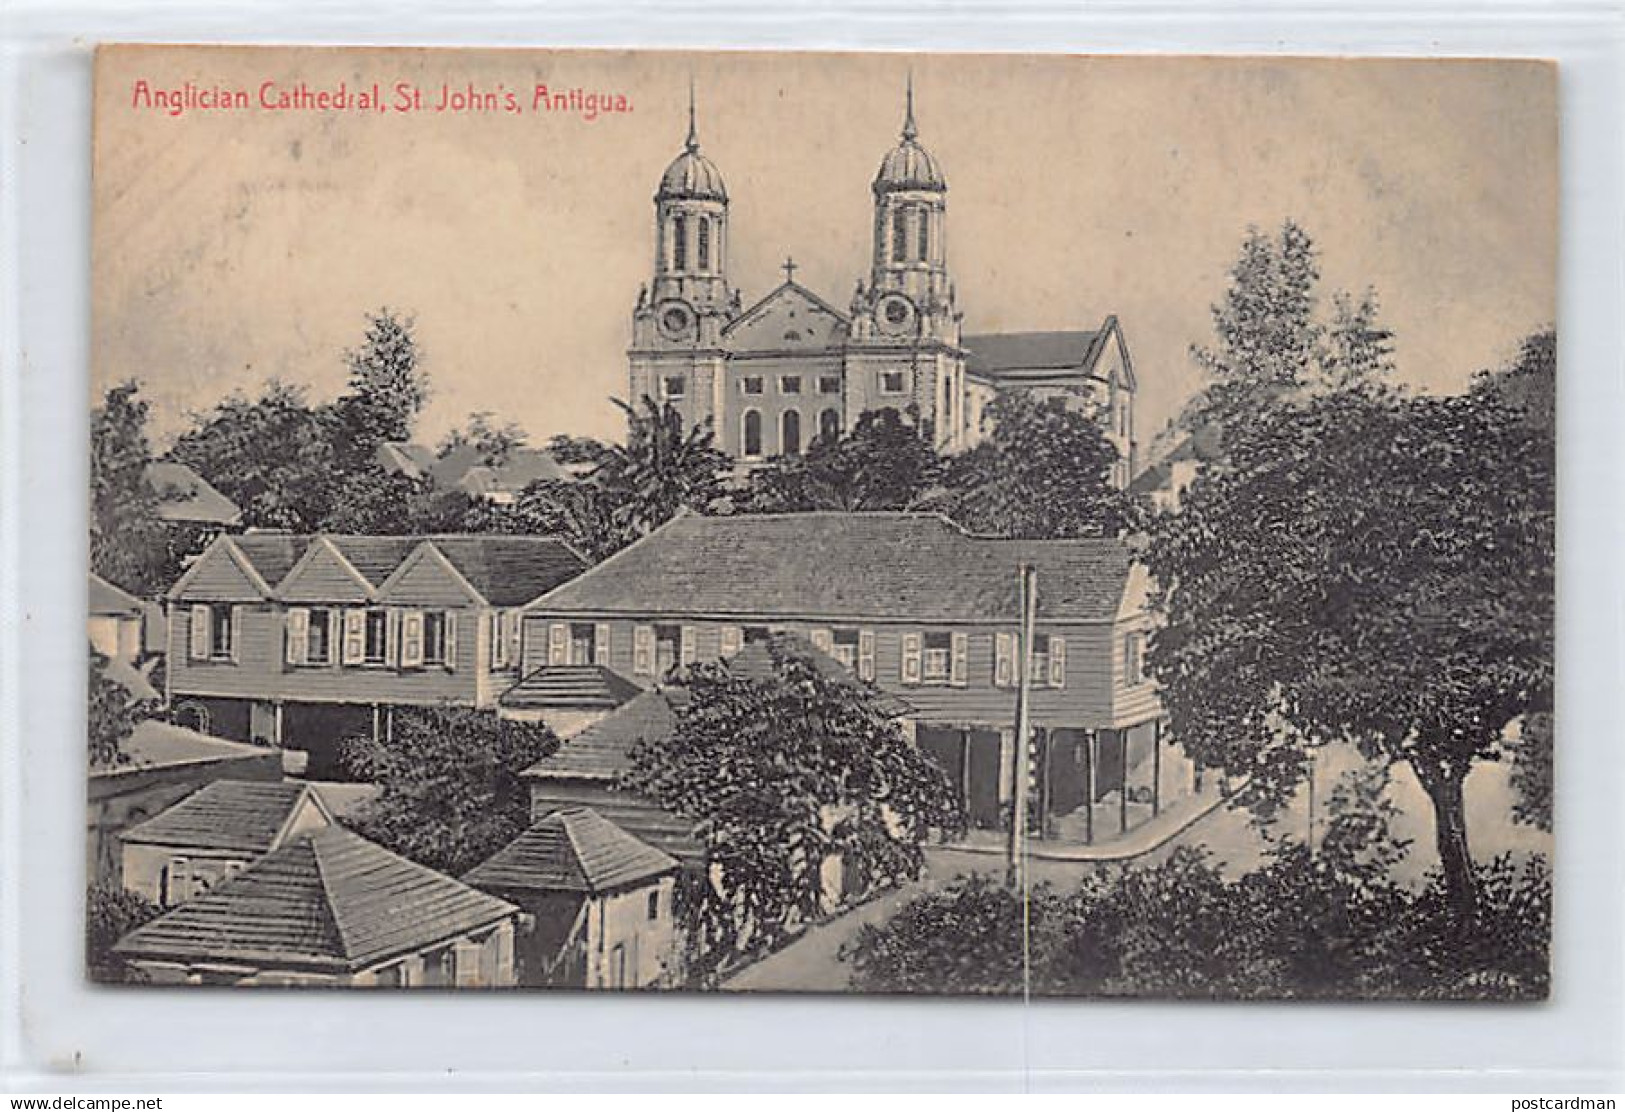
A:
<point x="882" y="523"/>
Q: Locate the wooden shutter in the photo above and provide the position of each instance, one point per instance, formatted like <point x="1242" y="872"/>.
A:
<point x="297" y="649"/>
<point x="732" y="639"/>
<point x="558" y="644"/>
<point x="688" y="645"/>
<point x="1004" y="659"/>
<point x="911" y="658"/>
<point x="866" y="654"/>
<point x="600" y="644"/>
<point x="449" y="636"/>
<point x="412" y="639"/>
<point x="198" y="633"/>
<point x="959" y="663"/>
<point x="643" y="650"/>
<point x="823" y="640"/>
<point x="236" y="633"/>
<point x="392" y="637"/>
<point x="1057" y="662"/>
<point x="355" y="636"/>
<point x="516" y="638"/>
<point x="499" y="638"/>
<point x="335" y="635"/>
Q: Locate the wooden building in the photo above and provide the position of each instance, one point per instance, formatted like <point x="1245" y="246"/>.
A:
<point x="928" y="614"/>
<point x="302" y="641"/>
<point x="330" y="908"/>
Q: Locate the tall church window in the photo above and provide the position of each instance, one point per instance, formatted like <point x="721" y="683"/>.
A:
<point x="753" y="433"/>
<point x="679" y="242"/>
<point x="829" y="426"/>
<point x="924" y="241"/>
<point x="792" y="433"/>
<point x="899" y="235"/>
<point x="704" y="246"/>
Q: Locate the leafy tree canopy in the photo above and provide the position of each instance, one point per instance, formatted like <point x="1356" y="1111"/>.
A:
<point x="493" y="439"/>
<point x="111" y="912"/>
<point x="451" y="794"/>
<point x="780" y="775"/>
<point x="114" y="713"/>
<point x="885" y="462"/>
<point x="130" y="545"/>
<point x="387" y="386"/>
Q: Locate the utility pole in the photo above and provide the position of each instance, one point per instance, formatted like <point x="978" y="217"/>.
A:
<point x="1019" y="771"/>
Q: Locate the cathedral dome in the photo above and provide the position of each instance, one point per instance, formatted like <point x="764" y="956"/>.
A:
<point x="692" y="176"/>
<point x="909" y="165"/>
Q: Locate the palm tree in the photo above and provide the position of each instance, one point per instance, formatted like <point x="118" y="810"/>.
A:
<point x="662" y="468"/>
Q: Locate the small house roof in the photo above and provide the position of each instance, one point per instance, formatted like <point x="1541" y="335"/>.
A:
<point x="157" y="745"/>
<point x="573" y="849"/>
<point x="589" y="686"/>
<point x="245" y="815"/>
<point x="604" y="749"/>
<point x="108" y="600"/>
<point x="329" y="900"/>
<point x="184" y="495"/>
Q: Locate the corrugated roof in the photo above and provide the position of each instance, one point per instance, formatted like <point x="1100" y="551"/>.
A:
<point x="570" y="685"/>
<point x="105" y="598"/>
<point x="879" y="566"/>
<point x="329" y="900"/>
<point x="184" y="495"/>
<point x="603" y="750"/>
<point x="992" y="354"/>
<point x="242" y="815"/>
<point x="574" y="849"/>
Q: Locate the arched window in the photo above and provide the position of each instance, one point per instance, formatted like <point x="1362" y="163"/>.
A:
<point x="679" y="242"/>
<point x="704" y="248"/>
<point x="829" y="426"/>
<point x="899" y="235"/>
<point x="924" y="241"/>
<point x="753" y="434"/>
<point x="790" y="428"/>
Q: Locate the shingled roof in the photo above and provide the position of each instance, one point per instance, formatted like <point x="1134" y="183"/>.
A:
<point x="328" y="901"/>
<point x="574" y="849"/>
<point x="604" y="749"/>
<point x="184" y="495"/>
<point x="244" y="815"/>
<point x="108" y="599"/>
<point x="877" y="566"/>
<point x="999" y="354"/>
<point x="592" y="686"/>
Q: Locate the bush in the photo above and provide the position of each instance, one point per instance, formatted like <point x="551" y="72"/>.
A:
<point x="111" y="912"/>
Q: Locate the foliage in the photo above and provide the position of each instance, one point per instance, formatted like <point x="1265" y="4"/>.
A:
<point x="273" y="455"/>
<point x="581" y="513"/>
<point x="778" y="776"/>
<point x="493" y="440"/>
<point x="111" y="912"/>
<point x="130" y="545"/>
<point x="1532" y="771"/>
<point x="1300" y="926"/>
<point x="1044" y="471"/>
<point x="451" y="795"/>
<point x="1366" y="566"/>
<point x="387" y="387"/>
<point x="885" y="462"/>
<point x="1358" y="350"/>
<point x="113" y="715"/>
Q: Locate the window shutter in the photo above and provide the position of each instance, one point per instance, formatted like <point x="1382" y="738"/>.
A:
<point x="732" y="638"/>
<point x="449" y="632"/>
<point x="911" y="658"/>
<point x="355" y="636"/>
<point x="1057" y="662"/>
<point x="823" y="640"/>
<point x="177" y="882"/>
<point x="412" y="639"/>
<point x="516" y="638"/>
<point x="688" y="645"/>
<point x="558" y="644"/>
<point x="198" y="633"/>
<point x="236" y="633"/>
<point x="600" y="644"/>
<point x="643" y="650"/>
<point x="392" y="637"/>
<point x="335" y="634"/>
<point x="499" y="638"/>
<point x="297" y="648"/>
<point x="866" y="654"/>
<point x="959" y="666"/>
<point x="1004" y="659"/>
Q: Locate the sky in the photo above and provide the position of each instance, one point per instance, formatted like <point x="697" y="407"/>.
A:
<point x="235" y="246"/>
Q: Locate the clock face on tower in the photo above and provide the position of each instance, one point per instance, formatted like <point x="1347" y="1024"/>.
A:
<point x="895" y="314"/>
<point x="676" y="320"/>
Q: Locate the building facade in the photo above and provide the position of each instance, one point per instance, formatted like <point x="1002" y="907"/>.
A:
<point x="932" y="620"/>
<point x="303" y="641"/>
<point x="792" y="367"/>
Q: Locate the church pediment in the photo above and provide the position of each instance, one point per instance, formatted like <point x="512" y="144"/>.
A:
<point x="788" y="319"/>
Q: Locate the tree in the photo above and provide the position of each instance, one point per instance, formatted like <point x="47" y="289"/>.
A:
<point x="111" y="912"/>
<point x="387" y="387"/>
<point x="450" y="793"/>
<point x="885" y="462"/>
<point x="1366" y="567"/>
<point x="129" y="542"/>
<point x="581" y="513"/>
<point x="780" y="775"/>
<point x="494" y="441"/>
<point x="113" y="715"/>
<point x="1358" y="351"/>
<point x="1043" y="472"/>
<point x="1532" y="771"/>
<point x="274" y="456"/>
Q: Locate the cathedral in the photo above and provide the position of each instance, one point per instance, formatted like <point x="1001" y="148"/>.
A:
<point x="791" y="368"/>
